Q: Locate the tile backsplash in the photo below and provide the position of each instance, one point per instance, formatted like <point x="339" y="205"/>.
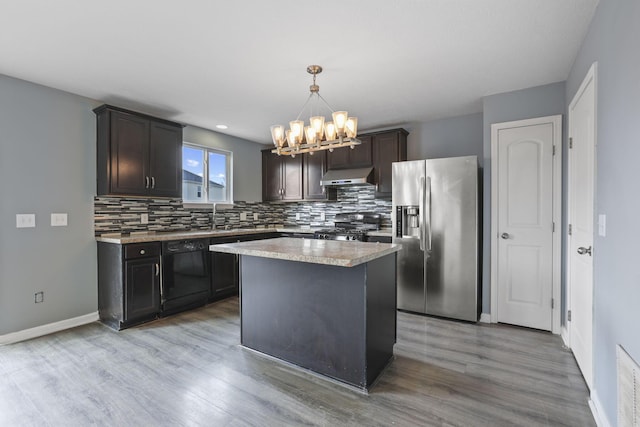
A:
<point x="123" y="214"/>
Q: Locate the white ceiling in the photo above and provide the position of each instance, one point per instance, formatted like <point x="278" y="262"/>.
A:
<point x="243" y="62"/>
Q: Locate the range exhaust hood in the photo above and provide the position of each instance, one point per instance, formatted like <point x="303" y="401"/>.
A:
<point x="336" y="177"/>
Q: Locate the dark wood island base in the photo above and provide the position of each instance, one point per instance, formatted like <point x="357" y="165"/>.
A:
<point x="335" y="321"/>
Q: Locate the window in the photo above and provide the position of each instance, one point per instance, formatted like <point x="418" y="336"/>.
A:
<point x="199" y="162"/>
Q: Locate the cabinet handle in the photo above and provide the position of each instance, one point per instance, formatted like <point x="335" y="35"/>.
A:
<point x="157" y="269"/>
<point x="153" y="182"/>
<point x="146" y="182"/>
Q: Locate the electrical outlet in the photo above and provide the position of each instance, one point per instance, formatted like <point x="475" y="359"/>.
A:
<point x="39" y="297"/>
<point x="144" y="218"/>
<point x="255" y="216"/>
<point x="243" y="216"/>
<point x="298" y="216"/>
<point x="322" y="217"/>
<point x="602" y="225"/>
<point x="25" y="220"/>
<point x="58" y="219"/>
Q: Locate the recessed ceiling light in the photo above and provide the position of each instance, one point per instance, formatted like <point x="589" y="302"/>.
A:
<point x="222" y="126"/>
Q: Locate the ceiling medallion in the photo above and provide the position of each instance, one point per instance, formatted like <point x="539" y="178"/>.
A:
<point x="319" y="135"/>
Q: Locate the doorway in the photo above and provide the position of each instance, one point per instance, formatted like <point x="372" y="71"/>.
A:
<point x="581" y="196"/>
<point x="525" y="222"/>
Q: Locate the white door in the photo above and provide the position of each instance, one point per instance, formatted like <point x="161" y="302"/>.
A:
<point x="582" y="139"/>
<point x="524" y="220"/>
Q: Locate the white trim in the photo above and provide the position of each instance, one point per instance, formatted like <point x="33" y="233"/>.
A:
<point x="485" y="318"/>
<point x="47" y="329"/>
<point x="564" y="334"/>
<point x="556" y="121"/>
<point x="599" y="415"/>
<point x="591" y="75"/>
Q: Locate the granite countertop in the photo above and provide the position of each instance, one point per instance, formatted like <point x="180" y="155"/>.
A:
<point x="330" y="252"/>
<point x="152" y="236"/>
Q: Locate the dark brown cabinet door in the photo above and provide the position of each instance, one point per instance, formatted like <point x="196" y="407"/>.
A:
<point x="314" y="167"/>
<point x="360" y="155"/>
<point x="338" y="158"/>
<point x="271" y="176"/>
<point x="224" y="274"/>
<point x="129" y="154"/>
<point x="388" y="147"/>
<point x="291" y="177"/>
<point x="142" y="288"/>
<point x="281" y="177"/>
<point x="165" y="160"/>
<point x="137" y="155"/>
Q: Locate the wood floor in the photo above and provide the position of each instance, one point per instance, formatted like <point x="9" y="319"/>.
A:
<point x="188" y="370"/>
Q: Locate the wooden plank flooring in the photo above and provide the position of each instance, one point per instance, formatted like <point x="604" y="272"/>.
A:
<point x="188" y="370"/>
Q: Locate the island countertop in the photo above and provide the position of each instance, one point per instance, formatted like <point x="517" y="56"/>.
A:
<point x="329" y="252"/>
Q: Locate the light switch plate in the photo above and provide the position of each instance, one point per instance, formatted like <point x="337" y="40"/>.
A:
<point x="243" y="216"/>
<point x="144" y="218"/>
<point x="297" y="216"/>
<point x="602" y="225"/>
<point x="25" y="220"/>
<point x="58" y="219"/>
<point x="255" y="216"/>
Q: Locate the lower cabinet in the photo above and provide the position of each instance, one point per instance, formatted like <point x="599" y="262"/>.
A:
<point x="128" y="283"/>
<point x="224" y="272"/>
<point x="225" y="268"/>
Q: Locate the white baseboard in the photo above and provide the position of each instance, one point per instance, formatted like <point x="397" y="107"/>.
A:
<point x="485" y="318"/>
<point x="47" y="329"/>
<point x="598" y="411"/>
<point x="564" y="334"/>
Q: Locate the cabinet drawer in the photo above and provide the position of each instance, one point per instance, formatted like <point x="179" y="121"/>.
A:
<point x="141" y="250"/>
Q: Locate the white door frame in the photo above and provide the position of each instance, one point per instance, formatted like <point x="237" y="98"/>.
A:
<point x="591" y="76"/>
<point x="557" y="212"/>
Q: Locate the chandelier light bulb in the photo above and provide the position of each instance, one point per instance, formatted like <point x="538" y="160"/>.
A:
<point x="330" y="131"/>
<point x="351" y="127"/>
<point x="340" y="120"/>
<point x="277" y="134"/>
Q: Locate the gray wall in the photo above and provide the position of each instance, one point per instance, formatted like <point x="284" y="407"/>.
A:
<point x="247" y="160"/>
<point x="612" y="41"/>
<point x="523" y="104"/>
<point x="451" y="137"/>
<point x="47" y="164"/>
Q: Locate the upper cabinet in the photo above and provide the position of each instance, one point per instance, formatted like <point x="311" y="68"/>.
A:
<point x="357" y="157"/>
<point x="314" y="167"/>
<point x="281" y="177"/>
<point x="138" y="155"/>
<point x="388" y="147"/>
<point x="298" y="178"/>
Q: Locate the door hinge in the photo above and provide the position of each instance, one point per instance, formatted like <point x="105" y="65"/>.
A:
<point x="553" y="303"/>
<point x="569" y="315"/>
<point x="554" y="150"/>
<point x="570" y="229"/>
<point x="570" y="142"/>
<point x="553" y="227"/>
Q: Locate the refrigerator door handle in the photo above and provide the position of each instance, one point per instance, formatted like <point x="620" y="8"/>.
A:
<point x="428" y="212"/>
<point x="421" y="207"/>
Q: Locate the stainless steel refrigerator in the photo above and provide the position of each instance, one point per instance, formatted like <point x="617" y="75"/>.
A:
<point x="435" y="218"/>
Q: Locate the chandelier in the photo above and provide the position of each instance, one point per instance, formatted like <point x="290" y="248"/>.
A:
<point x="318" y="135"/>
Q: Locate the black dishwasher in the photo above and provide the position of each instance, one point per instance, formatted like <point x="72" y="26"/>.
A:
<point x="185" y="275"/>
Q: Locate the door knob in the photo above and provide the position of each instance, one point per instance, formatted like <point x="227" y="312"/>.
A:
<point x="582" y="250"/>
<point x="505" y="235"/>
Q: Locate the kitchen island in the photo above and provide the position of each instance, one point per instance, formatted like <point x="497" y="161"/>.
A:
<point x="326" y="306"/>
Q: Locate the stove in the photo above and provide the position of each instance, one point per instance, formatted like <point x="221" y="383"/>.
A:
<point x="340" y="234"/>
<point x="350" y="226"/>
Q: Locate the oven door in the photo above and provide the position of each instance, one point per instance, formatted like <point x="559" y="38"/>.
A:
<point x="185" y="275"/>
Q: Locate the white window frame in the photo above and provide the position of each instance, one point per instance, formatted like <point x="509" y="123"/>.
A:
<point x="205" y="187"/>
